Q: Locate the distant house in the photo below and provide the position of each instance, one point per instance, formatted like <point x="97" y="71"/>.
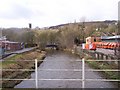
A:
<point x="9" y="45"/>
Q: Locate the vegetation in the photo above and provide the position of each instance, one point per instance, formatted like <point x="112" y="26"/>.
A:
<point x="103" y="66"/>
<point x="18" y="62"/>
<point x="63" y="35"/>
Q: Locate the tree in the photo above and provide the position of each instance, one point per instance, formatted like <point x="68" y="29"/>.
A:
<point x="67" y="35"/>
<point x="10" y="34"/>
<point x="28" y="37"/>
<point x="52" y="37"/>
<point x="42" y="39"/>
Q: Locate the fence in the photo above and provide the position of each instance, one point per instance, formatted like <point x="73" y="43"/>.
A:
<point x="83" y="80"/>
<point x="97" y="55"/>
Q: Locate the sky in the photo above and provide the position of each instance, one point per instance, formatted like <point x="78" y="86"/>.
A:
<point x="43" y="13"/>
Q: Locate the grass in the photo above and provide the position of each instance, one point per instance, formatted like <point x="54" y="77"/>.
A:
<point x="103" y="65"/>
<point x="0" y="65"/>
<point x="16" y="64"/>
<point x="13" y="59"/>
<point x="107" y="74"/>
<point x="25" y="56"/>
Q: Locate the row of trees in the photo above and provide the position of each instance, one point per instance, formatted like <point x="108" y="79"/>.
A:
<point x="64" y="36"/>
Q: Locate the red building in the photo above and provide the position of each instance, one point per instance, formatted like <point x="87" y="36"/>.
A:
<point x="9" y="45"/>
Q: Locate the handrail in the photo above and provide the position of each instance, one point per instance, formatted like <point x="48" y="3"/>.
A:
<point x="75" y="70"/>
<point x="61" y="60"/>
<point x="83" y="70"/>
<point x="113" y="80"/>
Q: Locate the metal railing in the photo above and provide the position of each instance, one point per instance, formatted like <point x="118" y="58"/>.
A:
<point x="83" y="70"/>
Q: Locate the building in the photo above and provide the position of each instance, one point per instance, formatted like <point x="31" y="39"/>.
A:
<point x="92" y="39"/>
<point x="9" y="45"/>
<point x="111" y="38"/>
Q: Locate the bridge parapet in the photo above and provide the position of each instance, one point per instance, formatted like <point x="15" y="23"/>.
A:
<point x="52" y="46"/>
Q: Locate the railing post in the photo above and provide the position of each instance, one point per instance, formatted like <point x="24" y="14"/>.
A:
<point x="36" y="74"/>
<point x="83" y="73"/>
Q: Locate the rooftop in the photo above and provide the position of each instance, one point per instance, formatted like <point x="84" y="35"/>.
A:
<point x="110" y="37"/>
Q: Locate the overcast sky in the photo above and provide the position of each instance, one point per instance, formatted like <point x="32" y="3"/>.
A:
<point x="18" y="13"/>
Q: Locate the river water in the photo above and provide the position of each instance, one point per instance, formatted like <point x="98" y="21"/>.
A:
<point x="56" y="71"/>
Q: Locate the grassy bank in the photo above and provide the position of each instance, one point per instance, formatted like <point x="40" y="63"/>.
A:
<point x="99" y="65"/>
<point x="18" y="62"/>
<point x="104" y="66"/>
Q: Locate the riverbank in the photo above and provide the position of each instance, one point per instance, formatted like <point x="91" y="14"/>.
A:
<point x="18" y="62"/>
<point x="97" y="65"/>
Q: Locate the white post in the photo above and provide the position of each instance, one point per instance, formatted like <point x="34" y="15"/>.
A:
<point x="36" y="74"/>
<point x="83" y="73"/>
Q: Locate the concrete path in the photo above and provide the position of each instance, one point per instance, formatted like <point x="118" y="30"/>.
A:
<point x="10" y="54"/>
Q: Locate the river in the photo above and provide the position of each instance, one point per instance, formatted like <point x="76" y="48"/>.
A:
<point x="60" y="66"/>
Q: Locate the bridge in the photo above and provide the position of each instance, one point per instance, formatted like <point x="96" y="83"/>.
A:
<point x="52" y="46"/>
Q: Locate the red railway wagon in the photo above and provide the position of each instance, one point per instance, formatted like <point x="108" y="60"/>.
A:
<point x="106" y="42"/>
<point x="107" y="45"/>
<point x="114" y="45"/>
<point x="112" y="42"/>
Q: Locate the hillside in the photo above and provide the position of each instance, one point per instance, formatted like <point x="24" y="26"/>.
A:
<point x="93" y="28"/>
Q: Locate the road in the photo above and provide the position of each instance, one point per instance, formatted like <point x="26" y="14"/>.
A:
<point x="60" y="66"/>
